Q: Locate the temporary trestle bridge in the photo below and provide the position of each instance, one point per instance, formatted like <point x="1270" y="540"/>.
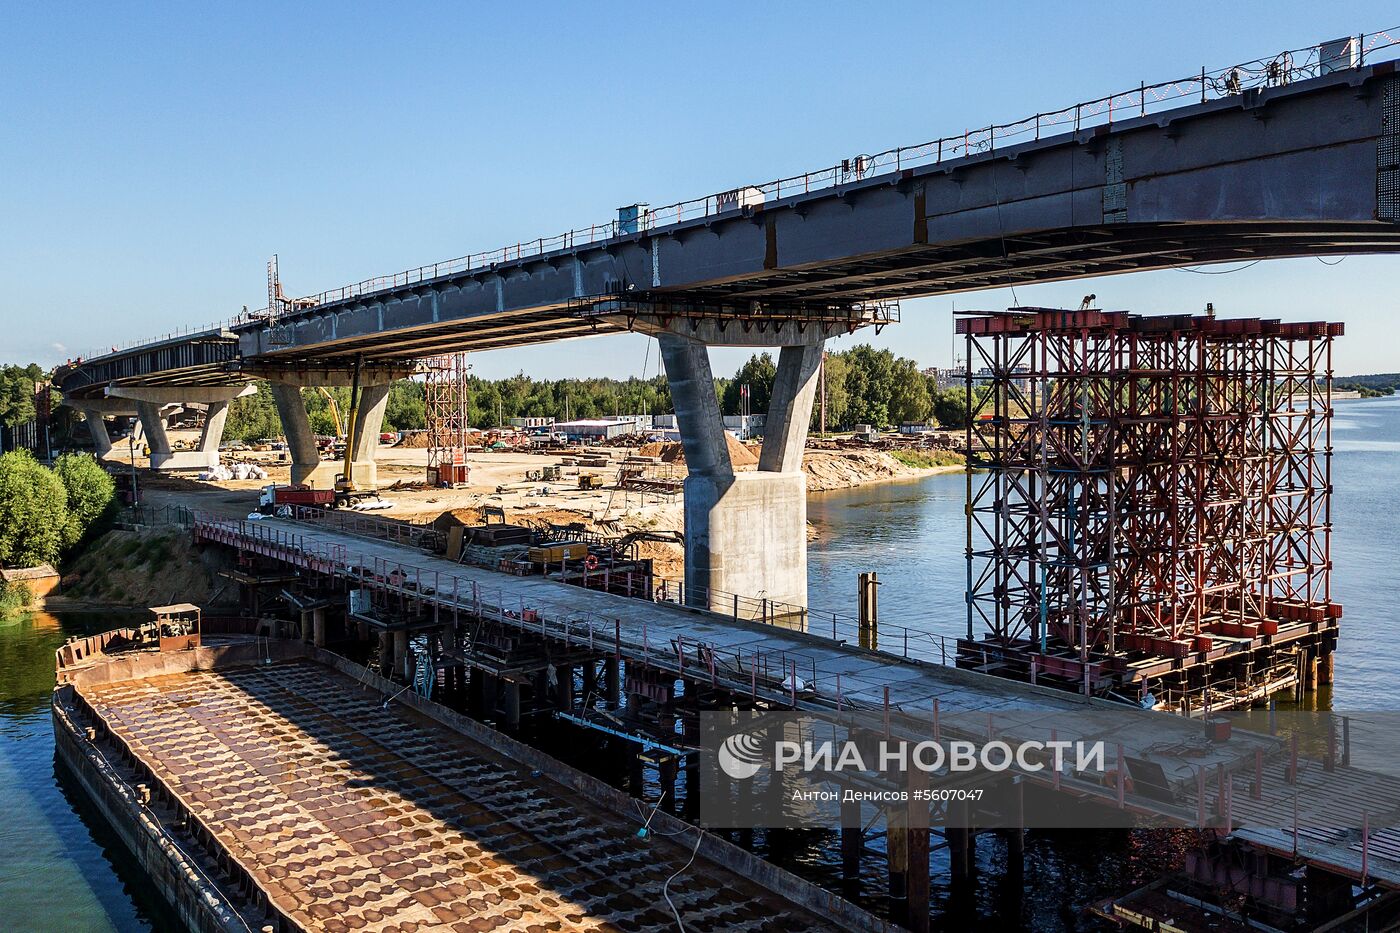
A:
<point x="504" y="647"/>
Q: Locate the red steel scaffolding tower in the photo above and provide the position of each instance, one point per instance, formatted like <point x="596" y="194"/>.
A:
<point x="445" y="405"/>
<point x="1149" y="502"/>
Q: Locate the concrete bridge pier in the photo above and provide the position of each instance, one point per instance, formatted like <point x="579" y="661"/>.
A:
<point x="149" y="402"/>
<point x="307" y="466"/>
<point x="745" y="533"/>
<point x="94" y="411"/>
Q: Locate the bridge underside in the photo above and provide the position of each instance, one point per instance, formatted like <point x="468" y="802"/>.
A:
<point x="1054" y="256"/>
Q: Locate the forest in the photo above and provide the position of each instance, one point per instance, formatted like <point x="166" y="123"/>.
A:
<point x="863" y="386"/>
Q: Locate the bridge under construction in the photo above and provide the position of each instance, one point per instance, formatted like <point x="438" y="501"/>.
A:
<point x="1147" y="534"/>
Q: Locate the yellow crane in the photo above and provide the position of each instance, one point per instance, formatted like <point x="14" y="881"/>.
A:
<point x="334" y="409"/>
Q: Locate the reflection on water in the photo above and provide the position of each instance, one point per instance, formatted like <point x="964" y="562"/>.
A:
<point x="58" y="864"/>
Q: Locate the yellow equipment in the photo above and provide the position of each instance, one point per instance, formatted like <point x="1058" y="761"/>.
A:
<point x="345" y="482"/>
<point x="334" y="409"/>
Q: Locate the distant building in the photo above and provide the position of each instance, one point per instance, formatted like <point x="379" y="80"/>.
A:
<point x="531" y="422"/>
<point x="638" y="423"/>
<point x="593" y="429"/>
<point x="744" y="426"/>
<point x="947" y="378"/>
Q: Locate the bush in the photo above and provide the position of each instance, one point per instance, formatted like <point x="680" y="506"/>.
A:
<point x="14" y="598"/>
<point x="927" y="459"/>
<point x="91" y="493"/>
<point x="34" y="522"/>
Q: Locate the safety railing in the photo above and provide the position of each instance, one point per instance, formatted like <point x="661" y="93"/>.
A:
<point x="396" y="531"/>
<point x="227" y="324"/>
<point x="898" y="640"/>
<point x="1279" y="70"/>
<point x="156" y="515"/>
<point x="788" y="671"/>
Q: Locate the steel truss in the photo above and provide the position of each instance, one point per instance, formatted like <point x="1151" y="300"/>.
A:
<point x="1138" y="485"/>
<point x="446" y="402"/>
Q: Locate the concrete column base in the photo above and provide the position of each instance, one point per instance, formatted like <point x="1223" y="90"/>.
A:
<point x="362" y="473"/>
<point x="747" y="534"/>
<point x="185" y="460"/>
<point x="318" y="475"/>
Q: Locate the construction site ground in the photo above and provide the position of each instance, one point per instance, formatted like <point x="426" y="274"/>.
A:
<point x="500" y="478"/>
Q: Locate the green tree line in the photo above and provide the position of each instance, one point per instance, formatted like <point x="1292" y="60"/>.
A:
<point x="863" y="386"/>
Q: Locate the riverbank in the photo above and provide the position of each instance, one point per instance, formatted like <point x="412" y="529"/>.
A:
<point x="829" y="470"/>
<point x="137" y="568"/>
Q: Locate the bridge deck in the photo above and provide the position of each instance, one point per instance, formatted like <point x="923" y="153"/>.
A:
<point x="655" y="629"/>
<point x="354" y="816"/>
<point x="750" y="657"/>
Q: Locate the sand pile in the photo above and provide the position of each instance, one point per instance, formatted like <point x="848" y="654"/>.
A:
<point x="847" y="468"/>
<point x="414" y="439"/>
<point x="674" y="451"/>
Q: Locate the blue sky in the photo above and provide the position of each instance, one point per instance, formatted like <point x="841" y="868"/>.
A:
<point x="154" y="156"/>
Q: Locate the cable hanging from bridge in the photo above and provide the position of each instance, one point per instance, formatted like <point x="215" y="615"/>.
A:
<point x="1219" y="271"/>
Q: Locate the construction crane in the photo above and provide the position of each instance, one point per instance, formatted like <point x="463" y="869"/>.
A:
<point x="334" y="409"/>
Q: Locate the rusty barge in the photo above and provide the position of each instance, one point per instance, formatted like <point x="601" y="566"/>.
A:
<point x="267" y="784"/>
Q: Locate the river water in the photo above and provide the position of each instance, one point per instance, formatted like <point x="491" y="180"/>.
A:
<point x="913" y="534"/>
<point x="60" y="869"/>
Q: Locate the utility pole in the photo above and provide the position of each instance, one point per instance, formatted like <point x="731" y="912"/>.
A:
<point x="131" y="450"/>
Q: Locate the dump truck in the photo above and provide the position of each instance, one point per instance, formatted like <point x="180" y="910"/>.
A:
<point x="273" y="495"/>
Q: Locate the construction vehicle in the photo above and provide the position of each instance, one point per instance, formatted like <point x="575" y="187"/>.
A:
<point x="334" y="410"/>
<point x="272" y="496"/>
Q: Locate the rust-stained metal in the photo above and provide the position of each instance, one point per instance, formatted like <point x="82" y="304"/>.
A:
<point x="1154" y="488"/>
<point x="348" y="813"/>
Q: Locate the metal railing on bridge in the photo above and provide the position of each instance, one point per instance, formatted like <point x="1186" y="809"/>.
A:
<point x="156" y="515"/>
<point x="1278" y="70"/>
<point x="898" y="640"/>
<point x="780" y="671"/>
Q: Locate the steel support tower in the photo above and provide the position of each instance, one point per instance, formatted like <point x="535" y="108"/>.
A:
<point x="446" y="402"/>
<point x="1149" y="502"/>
